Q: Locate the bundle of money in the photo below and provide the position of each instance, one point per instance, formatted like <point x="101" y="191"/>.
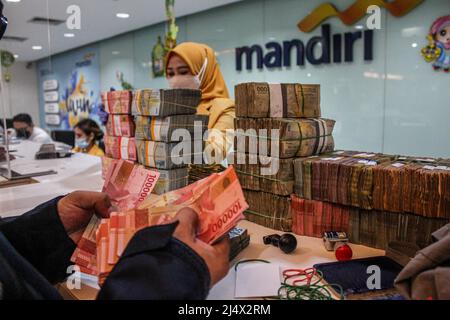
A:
<point x="117" y="102"/>
<point x="312" y="218"/>
<point x="239" y="240"/>
<point x="266" y="174"/>
<point x="285" y="138"/>
<point x="163" y="129"/>
<point x="269" y="210"/>
<point x="367" y="227"/>
<point x="263" y="100"/>
<point x="127" y="185"/>
<point x="338" y="179"/>
<point x="202" y="171"/>
<point x="163" y="103"/>
<point x="171" y="180"/>
<point x="162" y="155"/>
<point x="218" y="200"/>
<point x="429" y="190"/>
<point x="120" y="147"/>
<point x="378" y="228"/>
<point x="120" y="126"/>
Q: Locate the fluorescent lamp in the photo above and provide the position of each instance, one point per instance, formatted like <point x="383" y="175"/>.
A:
<point x="123" y="15"/>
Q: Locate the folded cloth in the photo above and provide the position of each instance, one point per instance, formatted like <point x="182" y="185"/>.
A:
<point x="427" y="276"/>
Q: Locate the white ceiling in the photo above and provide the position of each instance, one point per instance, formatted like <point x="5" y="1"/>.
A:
<point x="98" y="21"/>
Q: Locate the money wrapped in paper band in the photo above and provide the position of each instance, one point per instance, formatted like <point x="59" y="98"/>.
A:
<point x="263" y="173"/>
<point x="163" y="103"/>
<point x="117" y="102"/>
<point x="120" y="147"/>
<point x="263" y="100"/>
<point x="367" y="227"/>
<point x="120" y="126"/>
<point x="337" y="179"/>
<point x="295" y="138"/>
<point x="162" y="129"/>
<point x="170" y="180"/>
<point x="378" y="228"/>
<point x="162" y="155"/>
<point x="269" y="210"/>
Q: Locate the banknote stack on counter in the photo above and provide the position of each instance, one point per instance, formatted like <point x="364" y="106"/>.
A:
<point x="169" y="134"/>
<point x="376" y="198"/>
<point x="119" y="139"/>
<point x="275" y="124"/>
<point x="218" y="200"/>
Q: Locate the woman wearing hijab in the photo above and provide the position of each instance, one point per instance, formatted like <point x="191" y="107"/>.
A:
<point x="194" y="66"/>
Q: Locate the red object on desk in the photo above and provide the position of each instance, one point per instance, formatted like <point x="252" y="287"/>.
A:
<point x="343" y="252"/>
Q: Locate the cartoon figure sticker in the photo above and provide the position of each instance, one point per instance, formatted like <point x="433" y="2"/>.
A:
<point x="438" y="49"/>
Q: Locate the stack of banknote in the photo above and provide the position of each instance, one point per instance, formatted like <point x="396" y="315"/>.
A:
<point x="169" y="134"/>
<point x="120" y="128"/>
<point x="376" y="181"/>
<point x="269" y="210"/>
<point x="286" y="138"/>
<point x="171" y="180"/>
<point x="202" y="171"/>
<point x="263" y="100"/>
<point x="163" y="103"/>
<point x="275" y="124"/>
<point x="120" y="147"/>
<point x="218" y="201"/>
<point x="372" y="228"/>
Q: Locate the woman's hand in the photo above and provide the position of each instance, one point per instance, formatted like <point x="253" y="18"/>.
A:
<point x="76" y="210"/>
<point x="216" y="256"/>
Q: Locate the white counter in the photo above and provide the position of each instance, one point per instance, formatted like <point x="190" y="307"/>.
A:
<point x="80" y="172"/>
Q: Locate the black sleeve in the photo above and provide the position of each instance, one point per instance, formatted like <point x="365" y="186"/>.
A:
<point x="39" y="236"/>
<point x="156" y="266"/>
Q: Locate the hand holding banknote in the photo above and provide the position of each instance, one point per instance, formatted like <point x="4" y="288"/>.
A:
<point x="76" y="210"/>
<point x="215" y="256"/>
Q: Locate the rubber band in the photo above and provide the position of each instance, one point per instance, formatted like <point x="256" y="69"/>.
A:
<point x="249" y="260"/>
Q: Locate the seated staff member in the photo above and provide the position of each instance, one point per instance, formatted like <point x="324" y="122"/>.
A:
<point x="25" y="129"/>
<point x="194" y="66"/>
<point x="87" y="133"/>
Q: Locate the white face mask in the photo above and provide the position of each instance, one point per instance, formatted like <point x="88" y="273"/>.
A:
<point x="188" y="81"/>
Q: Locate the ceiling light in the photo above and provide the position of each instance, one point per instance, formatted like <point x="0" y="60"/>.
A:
<point x="13" y="0"/>
<point x="36" y="47"/>
<point x="414" y="45"/>
<point x="16" y="56"/>
<point x="122" y="15"/>
<point x="69" y="35"/>
<point x="359" y="27"/>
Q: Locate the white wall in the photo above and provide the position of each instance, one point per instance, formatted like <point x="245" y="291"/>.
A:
<point x="22" y="91"/>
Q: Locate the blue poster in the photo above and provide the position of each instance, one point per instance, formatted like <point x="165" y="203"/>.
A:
<point x="69" y="88"/>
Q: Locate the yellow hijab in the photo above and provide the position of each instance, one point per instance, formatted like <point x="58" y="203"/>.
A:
<point x="215" y="98"/>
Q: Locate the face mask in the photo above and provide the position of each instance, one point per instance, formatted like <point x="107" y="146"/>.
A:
<point x="23" y="133"/>
<point x="188" y="81"/>
<point x="82" y="143"/>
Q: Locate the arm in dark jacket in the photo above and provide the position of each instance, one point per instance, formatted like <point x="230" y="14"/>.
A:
<point x="39" y="236"/>
<point x="157" y="266"/>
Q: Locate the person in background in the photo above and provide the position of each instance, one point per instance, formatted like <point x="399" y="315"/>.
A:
<point x="87" y="134"/>
<point x="194" y="66"/>
<point x="25" y="129"/>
